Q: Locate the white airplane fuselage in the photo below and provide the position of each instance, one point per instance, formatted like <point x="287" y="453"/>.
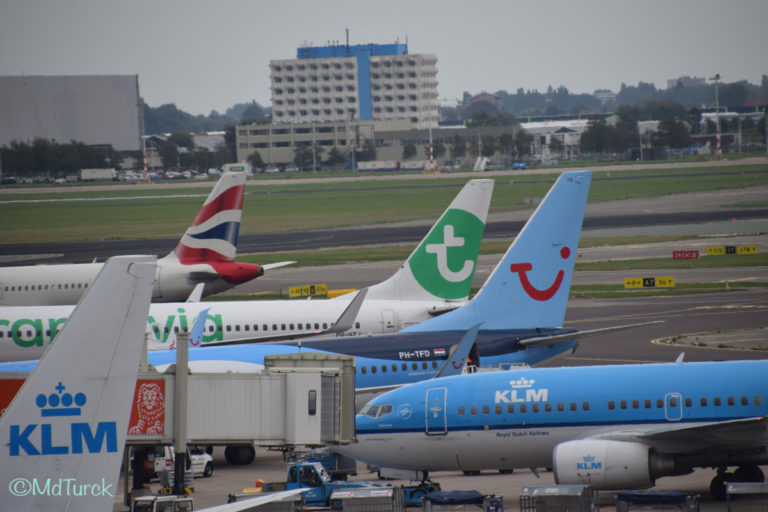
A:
<point x="45" y="285"/>
<point x="26" y="331"/>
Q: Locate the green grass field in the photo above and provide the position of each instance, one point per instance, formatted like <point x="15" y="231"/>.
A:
<point x="289" y="207"/>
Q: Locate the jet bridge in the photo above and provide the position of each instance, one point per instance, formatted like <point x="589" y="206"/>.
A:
<point x="299" y="399"/>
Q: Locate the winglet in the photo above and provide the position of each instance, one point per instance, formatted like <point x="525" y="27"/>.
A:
<point x="197" y="293"/>
<point x="454" y="365"/>
<point x="347" y="318"/>
<point x="67" y="425"/>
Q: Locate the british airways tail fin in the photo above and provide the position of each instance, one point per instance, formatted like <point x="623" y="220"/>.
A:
<point x="211" y="239"/>
<point x="529" y="287"/>
<point x="62" y="437"/>
<point x="443" y="264"/>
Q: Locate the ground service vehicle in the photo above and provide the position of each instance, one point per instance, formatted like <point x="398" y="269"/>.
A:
<point x="162" y="504"/>
<point x="313" y="476"/>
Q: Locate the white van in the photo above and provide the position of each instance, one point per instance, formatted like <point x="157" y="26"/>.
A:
<point x="161" y="458"/>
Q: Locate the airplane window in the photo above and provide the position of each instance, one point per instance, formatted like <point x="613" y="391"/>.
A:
<point x="404" y="366"/>
<point x="523" y="408"/>
<point x="291" y="326"/>
<point x="59" y="286"/>
<point x="86" y="285"/>
<point x="26" y="288"/>
<point x="282" y="327"/>
<point x="357" y="325"/>
<point x="247" y="327"/>
<point x="716" y="401"/>
<point x="317" y="326"/>
<point x="2" y="334"/>
<point x="374" y="369"/>
<point x="434" y="365"/>
<point x="363" y="370"/>
<point x="274" y="327"/>
<point x="744" y="400"/>
<point x="535" y="407"/>
<point x="688" y="402"/>
<point x="560" y="406"/>
<point x="635" y="404"/>
<point x="325" y="326"/>
<point x="166" y="330"/>
<point x="46" y="287"/>
<point x="758" y="400"/>
<point x="66" y="287"/>
<point x="647" y="403"/>
<point x="585" y="406"/>
<point x="703" y="402"/>
<point x="510" y="409"/>
<point x="461" y="410"/>
<point x="473" y="410"/>
<point x="623" y="404"/>
<point x="309" y="326"/>
<point x="237" y="327"/>
<point x="423" y="365"/>
<point x="414" y="366"/>
<point x="611" y="405"/>
<point x="673" y="402"/>
<point x="731" y="401"/>
<point x="383" y="368"/>
<point x="79" y="285"/>
<point x="385" y="409"/>
<point x="394" y="367"/>
<point x="486" y="409"/>
<point x="548" y="407"/>
<point x="659" y="403"/>
<point x="299" y="326"/>
<point x="229" y="328"/>
<point x="497" y="409"/>
<point x="572" y="406"/>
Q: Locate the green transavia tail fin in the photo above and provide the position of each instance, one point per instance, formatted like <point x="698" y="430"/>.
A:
<point x="443" y="264"/>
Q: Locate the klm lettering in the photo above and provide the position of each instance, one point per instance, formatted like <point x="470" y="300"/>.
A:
<point x="81" y="437"/>
<point x="511" y="396"/>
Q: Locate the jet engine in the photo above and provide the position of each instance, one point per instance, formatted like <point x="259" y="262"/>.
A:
<point x="608" y="464"/>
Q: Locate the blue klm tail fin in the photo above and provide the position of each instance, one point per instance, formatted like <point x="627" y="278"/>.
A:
<point x="530" y="285"/>
<point x="62" y="436"/>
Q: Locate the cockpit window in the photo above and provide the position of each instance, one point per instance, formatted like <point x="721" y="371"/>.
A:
<point x="376" y="410"/>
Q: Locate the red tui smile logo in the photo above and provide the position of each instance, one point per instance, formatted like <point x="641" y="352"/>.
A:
<point x="532" y="291"/>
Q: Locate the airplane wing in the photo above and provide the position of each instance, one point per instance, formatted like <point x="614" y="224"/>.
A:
<point x="248" y="503"/>
<point x="344" y="323"/>
<point x="557" y="338"/>
<point x="732" y="433"/>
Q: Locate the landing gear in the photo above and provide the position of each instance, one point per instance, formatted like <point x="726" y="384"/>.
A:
<point x="748" y="473"/>
<point x="506" y="471"/>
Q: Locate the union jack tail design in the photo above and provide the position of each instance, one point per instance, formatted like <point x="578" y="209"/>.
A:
<point x="213" y="234"/>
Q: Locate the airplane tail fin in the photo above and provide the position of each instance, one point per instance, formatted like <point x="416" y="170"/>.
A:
<point x="62" y="436"/>
<point x="529" y="287"/>
<point x="443" y="264"/>
<point x="212" y="237"/>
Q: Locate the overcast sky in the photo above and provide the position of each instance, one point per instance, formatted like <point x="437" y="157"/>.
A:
<point x="209" y="55"/>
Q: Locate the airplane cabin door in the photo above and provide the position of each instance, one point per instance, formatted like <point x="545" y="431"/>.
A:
<point x="436" y="422"/>
<point x="673" y="406"/>
<point x="388" y="320"/>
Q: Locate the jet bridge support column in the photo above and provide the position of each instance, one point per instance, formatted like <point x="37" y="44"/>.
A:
<point x="180" y="412"/>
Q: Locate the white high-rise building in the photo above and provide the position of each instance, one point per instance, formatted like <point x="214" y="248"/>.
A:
<point x="370" y="82"/>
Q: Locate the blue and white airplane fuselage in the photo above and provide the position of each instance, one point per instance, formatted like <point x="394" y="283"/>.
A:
<point x="613" y="427"/>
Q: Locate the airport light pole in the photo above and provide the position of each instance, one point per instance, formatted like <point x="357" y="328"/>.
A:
<point x="718" y="151"/>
